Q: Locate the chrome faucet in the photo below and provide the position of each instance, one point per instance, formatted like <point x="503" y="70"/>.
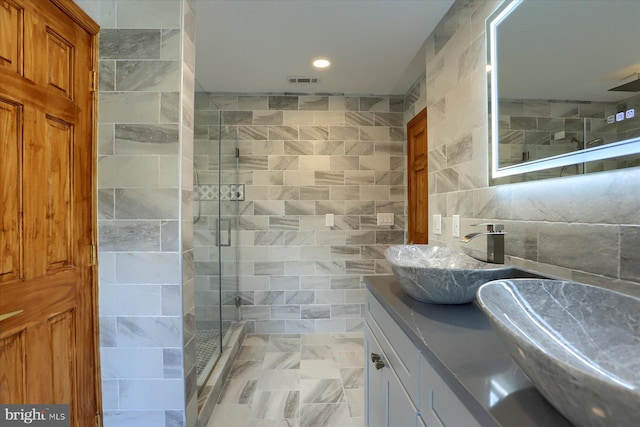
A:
<point x="495" y="241"/>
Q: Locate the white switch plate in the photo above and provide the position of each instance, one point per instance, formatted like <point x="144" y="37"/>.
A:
<point x="437" y="224"/>
<point x="455" y="228"/>
<point x="329" y="220"/>
<point x="385" y="219"/>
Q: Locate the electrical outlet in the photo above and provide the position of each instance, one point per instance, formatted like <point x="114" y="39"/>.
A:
<point x="455" y="228"/>
<point x="437" y="224"/>
<point x="329" y="220"/>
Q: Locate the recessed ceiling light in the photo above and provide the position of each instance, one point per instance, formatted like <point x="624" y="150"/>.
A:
<point x="321" y="63"/>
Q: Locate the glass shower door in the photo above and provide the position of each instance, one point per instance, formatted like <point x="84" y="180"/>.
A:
<point x="214" y="228"/>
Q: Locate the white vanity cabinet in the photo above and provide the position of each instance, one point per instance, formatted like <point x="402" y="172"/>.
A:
<point x="402" y="389"/>
<point x="391" y="369"/>
<point x="438" y="405"/>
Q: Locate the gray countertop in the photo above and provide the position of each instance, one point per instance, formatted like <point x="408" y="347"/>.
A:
<point x="460" y="344"/>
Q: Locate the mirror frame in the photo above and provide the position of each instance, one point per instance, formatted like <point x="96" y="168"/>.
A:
<point x="616" y="149"/>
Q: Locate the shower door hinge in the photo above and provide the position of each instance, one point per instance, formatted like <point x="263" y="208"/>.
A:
<point x="237" y="153"/>
<point x="238" y="302"/>
<point x="525" y="156"/>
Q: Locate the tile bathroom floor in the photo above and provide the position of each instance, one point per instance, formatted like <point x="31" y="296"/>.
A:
<point x="295" y="380"/>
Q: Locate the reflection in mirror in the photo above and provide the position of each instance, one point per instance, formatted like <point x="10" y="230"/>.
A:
<point x="564" y="84"/>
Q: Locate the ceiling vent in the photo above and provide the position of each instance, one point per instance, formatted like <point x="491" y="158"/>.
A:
<point x="302" y="79"/>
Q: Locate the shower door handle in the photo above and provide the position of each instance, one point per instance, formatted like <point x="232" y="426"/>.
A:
<point x="227" y="241"/>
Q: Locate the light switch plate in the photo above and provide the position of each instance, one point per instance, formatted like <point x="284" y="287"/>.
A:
<point x="455" y="228"/>
<point x="437" y="224"/>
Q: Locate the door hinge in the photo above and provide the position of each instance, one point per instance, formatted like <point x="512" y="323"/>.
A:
<point x="97" y="421"/>
<point x="238" y="302"/>
<point x="94" y="80"/>
<point x="94" y="254"/>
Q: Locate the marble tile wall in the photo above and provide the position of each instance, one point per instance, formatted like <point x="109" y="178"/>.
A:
<point x="302" y="157"/>
<point x="145" y="138"/>
<point x="582" y="228"/>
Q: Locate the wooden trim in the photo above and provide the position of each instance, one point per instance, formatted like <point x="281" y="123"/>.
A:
<point x="93" y="269"/>
<point x="78" y="15"/>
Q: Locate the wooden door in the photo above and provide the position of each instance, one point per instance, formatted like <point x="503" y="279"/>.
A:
<point x="417" y="173"/>
<point x="48" y="349"/>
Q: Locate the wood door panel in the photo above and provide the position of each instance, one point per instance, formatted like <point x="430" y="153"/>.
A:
<point x="11" y="25"/>
<point x="60" y="57"/>
<point x="63" y="351"/>
<point x="48" y="353"/>
<point x="417" y="178"/>
<point x="10" y="191"/>
<point x="13" y="381"/>
<point x="421" y="200"/>
<point x="59" y="217"/>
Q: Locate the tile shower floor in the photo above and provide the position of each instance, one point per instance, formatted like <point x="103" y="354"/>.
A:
<point x="291" y="380"/>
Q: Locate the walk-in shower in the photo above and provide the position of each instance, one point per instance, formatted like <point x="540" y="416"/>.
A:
<point x="215" y="220"/>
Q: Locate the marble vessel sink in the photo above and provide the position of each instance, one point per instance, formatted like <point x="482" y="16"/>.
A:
<point x="579" y="345"/>
<point x="441" y="275"/>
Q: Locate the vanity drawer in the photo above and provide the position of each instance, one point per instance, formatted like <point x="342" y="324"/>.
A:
<point x="401" y="353"/>
<point x="439" y="406"/>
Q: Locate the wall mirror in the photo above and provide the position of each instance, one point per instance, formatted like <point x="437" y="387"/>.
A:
<point x="564" y="86"/>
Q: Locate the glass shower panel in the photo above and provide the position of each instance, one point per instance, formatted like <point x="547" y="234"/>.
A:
<point x="214" y="229"/>
<point x="230" y="195"/>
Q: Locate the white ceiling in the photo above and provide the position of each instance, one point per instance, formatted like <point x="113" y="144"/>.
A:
<point x="252" y="46"/>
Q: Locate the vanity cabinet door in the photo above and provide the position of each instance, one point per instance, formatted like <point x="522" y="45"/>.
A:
<point x="387" y="402"/>
<point x="439" y="406"/>
<point x="376" y="386"/>
<point x="401" y="409"/>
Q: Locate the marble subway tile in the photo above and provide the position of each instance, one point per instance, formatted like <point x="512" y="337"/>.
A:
<point x="169" y="107"/>
<point x="298" y="147"/>
<point x="314" y="133"/>
<point x="129" y="236"/>
<point x="344" y="133"/>
<point x="283" y="132"/>
<point x="267" y="117"/>
<point x="358" y="119"/>
<point x="129" y="107"/>
<point x="315" y="103"/>
<point x="374" y="104"/>
<point x="317" y="192"/>
<point x="253" y="102"/>
<point x="130" y="43"/>
<point x="564" y="245"/>
<point x="629" y="243"/>
<point x="133" y="203"/>
<point x="107" y="76"/>
<point x="146" y="139"/>
<point x="160" y="76"/>
<point x="148" y="331"/>
<point x="170" y="47"/>
<point x="328" y="148"/>
<point x="283" y="102"/>
<point x="315" y="311"/>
